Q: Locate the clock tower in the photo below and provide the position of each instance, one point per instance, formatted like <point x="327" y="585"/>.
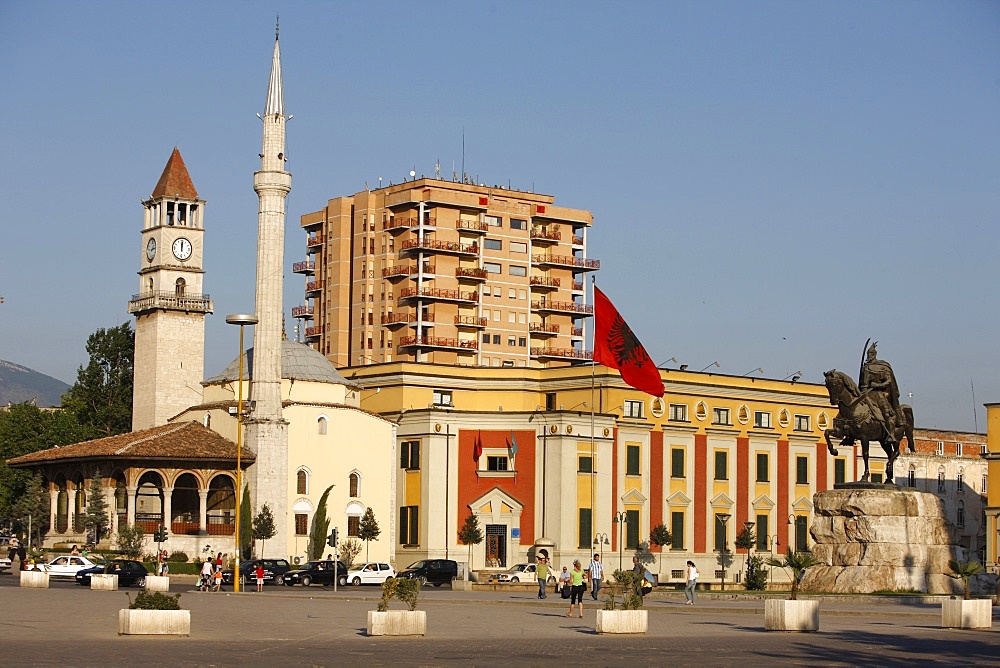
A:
<point x="170" y="307"/>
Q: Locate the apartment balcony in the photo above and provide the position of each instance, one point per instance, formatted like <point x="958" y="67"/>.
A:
<point x="302" y="311"/>
<point x="471" y="274"/>
<point x="561" y="354"/>
<point x="577" y="263"/>
<point x="471" y="321"/>
<point x="170" y="301"/>
<point x="397" y="319"/>
<point x="439" y="295"/>
<point x="563" y="307"/>
<point x="439" y="342"/>
<point x="544" y="283"/>
<point x="540" y="237"/>
<point x="578" y="241"/>
<point x="313" y="333"/>
<point x="407" y="271"/>
<point x="541" y="329"/>
<point x="399" y="223"/>
<point x="314" y="240"/>
<point x="436" y="246"/>
<point x="476" y="226"/>
<point x="578" y="286"/>
<point x="314" y="286"/>
<point x="307" y="267"/>
<point x="577" y="332"/>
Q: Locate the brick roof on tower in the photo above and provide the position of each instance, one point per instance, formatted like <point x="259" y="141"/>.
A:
<point x="183" y="441"/>
<point x="175" y="180"/>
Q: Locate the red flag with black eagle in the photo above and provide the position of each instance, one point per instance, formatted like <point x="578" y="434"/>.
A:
<point x="617" y="347"/>
<point x="477" y="448"/>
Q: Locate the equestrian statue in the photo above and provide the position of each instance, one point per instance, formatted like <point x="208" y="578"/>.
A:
<point x="869" y="410"/>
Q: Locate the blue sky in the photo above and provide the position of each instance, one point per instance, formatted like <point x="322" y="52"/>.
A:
<point x="772" y="182"/>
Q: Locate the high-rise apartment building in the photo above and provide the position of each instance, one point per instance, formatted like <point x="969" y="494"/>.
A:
<point x="446" y="272"/>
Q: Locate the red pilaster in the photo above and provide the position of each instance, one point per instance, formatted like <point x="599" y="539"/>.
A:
<point x="742" y="481"/>
<point x="822" y="462"/>
<point x="656" y="499"/>
<point x="700" y="490"/>
<point x="783" y="506"/>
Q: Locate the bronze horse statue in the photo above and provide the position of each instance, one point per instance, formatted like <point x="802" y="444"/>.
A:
<point x="860" y="420"/>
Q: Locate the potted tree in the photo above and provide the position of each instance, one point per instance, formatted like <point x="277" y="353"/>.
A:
<point x="409" y="622"/>
<point x="154" y="613"/>
<point x="660" y="537"/>
<point x="470" y="534"/>
<point x="629" y="616"/>
<point x="792" y="614"/>
<point x="967" y="612"/>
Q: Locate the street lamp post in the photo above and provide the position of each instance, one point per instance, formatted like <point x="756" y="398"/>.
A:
<point x="241" y="320"/>
<point x="621" y="519"/>
<point x="724" y="518"/>
<point x="599" y="540"/>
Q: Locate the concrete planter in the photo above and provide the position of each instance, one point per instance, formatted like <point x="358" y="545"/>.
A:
<point x="157" y="583"/>
<point x="622" y="621"/>
<point x="39" y="579"/>
<point x="397" y="623"/>
<point x="785" y="615"/>
<point x="103" y="582"/>
<point x="154" y="622"/>
<point x="957" y="613"/>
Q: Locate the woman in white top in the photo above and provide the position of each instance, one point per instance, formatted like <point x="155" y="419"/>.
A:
<point x="692" y="582"/>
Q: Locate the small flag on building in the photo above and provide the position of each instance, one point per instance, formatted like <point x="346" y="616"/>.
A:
<point x="477" y="449"/>
<point x="512" y="446"/>
<point x="617" y="347"/>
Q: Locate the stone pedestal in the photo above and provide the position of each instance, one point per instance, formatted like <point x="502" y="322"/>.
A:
<point x="397" y="623"/>
<point x="622" y="621"/>
<point x="871" y="540"/>
<point x="39" y="579"/>
<point x="158" y="583"/>
<point x="154" y="622"/>
<point x="787" y="615"/>
<point x="103" y="582"/>
<point x="957" y="613"/>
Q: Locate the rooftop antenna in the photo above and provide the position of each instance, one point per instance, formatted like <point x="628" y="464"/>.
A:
<point x="975" y="415"/>
<point x="437" y="169"/>
<point x="463" y="153"/>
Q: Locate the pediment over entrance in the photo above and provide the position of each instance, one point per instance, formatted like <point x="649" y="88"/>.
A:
<point x="497" y="501"/>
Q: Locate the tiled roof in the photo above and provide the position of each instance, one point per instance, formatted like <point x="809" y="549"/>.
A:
<point x="298" y="362"/>
<point x="175" y="180"/>
<point x="176" y="441"/>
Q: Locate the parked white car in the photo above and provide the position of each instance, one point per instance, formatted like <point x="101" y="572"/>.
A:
<point x="370" y="572"/>
<point x="520" y="573"/>
<point x="66" y="566"/>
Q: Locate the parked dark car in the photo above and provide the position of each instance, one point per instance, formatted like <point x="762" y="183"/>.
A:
<point x="431" y="571"/>
<point x="274" y="571"/>
<point x="315" y="572"/>
<point x="129" y="573"/>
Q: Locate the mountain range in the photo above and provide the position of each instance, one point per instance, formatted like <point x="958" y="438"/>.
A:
<point x="19" y="384"/>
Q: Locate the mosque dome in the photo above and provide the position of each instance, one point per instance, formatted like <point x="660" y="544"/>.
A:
<point x="298" y="362"/>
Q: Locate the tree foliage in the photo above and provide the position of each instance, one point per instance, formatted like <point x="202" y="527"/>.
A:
<point x="965" y="570"/>
<point x="368" y="529"/>
<point x="263" y="526"/>
<point x="349" y="550"/>
<point x="795" y="563"/>
<point x="320" y="528"/>
<point x="131" y="540"/>
<point x="96" y="517"/>
<point x="246" y="525"/>
<point x="660" y="536"/>
<point x="756" y="573"/>
<point x="33" y="503"/>
<point x="470" y="534"/>
<point x="101" y="398"/>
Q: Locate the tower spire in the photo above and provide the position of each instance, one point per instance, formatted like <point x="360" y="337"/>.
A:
<point x="275" y="95"/>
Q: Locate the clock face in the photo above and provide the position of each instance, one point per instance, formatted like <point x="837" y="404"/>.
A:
<point x="151" y="249"/>
<point x="182" y="249"/>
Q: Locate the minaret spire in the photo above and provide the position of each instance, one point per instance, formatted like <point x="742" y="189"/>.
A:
<point x="275" y="96"/>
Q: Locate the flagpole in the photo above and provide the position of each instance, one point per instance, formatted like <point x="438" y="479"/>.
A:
<point x="593" y="454"/>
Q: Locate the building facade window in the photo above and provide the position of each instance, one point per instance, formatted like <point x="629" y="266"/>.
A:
<point x="353" y="525"/>
<point x="632" y="460"/>
<point x="839" y="471"/>
<point x="517" y="270"/>
<point x="960" y="514"/>
<point x="321" y="424"/>
<point x="631" y="529"/>
<point x="632" y="409"/>
<point x="720" y="533"/>
<point x="801" y="423"/>
<point x="721" y="416"/>
<point x="959" y="449"/>
<point x="584" y="533"/>
<point x="492" y="267"/>
<point x="801" y="470"/>
<point x="763" y="529"/>
<point x="678" y="413"/>
<point x="911" y="478"/>
<point x="940" y="481"/>
<point x="497" y="463"/>
<point x="493" y="244"/>
<point x="442" y="398"/>
<point x="676" y="462"/>
<point x="763" y="473"/>
<point x="409" y="455"/>
<point x="585" y="464"/>
<point x="960" y="484"/>
<point x="301" y="524"/>
<point x="517" y="224"/>
<point x="301" y="482"/>
<point x="353" y="481"/>
<point x="801" y="533"/>
<point x="721" y="465"/>
<point x="409" y="525"/>
<point x="762" y="420"/>
<point x="677" y="530"/>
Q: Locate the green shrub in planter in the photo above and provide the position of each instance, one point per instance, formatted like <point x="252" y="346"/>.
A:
<point x="178" y="557"/>
<point x="405" y="589"/>
<point x="155" y="600"/>
<point x="626" y="587"/>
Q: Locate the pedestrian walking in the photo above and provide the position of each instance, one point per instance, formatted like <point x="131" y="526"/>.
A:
<point x="218" y="562"/>
<point x="542" y="575"/>
<point x="75" y="551"/>
<point x="692" y="582"/>
<point x="596" y="570"/>
<point x="259" y="573"/>
<point x="217" y="576"/>
<point x="206" y="575"/>
<point x="577" y="587"/>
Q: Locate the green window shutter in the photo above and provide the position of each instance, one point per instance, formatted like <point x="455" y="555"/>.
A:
<point x="677" y="530"/>
<point x="762" y="467"/>
<point x="677" y="463"/>
<point x="762" y="531"/>
<point x="632" y="464"/>
<point x="840" y="471"/>
<point x="585" y="529"/>
<point x="632" y="529"/>
<point x="721" y="465"/>
<point x="403" y="528"/>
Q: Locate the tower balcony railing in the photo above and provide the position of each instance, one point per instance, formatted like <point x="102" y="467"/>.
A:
<point x="544" y="282"/>
<point x="314" y="286"/>
<point x="473" y="273"/>
<point x="390" y="319"/>
<point x="314" y="332"/>
<point x="542" y="237"/>
<point x="438" y="342"/>
<point x="578" y="286"/>
<point x="563" y="307"/>
<point x="438" y="294"/>
<point x="304" y="267"/>
<point x="476" y="226"/>
<point x="471" y="321"/>
<point x="314" y="240"/>
<point x="562" y="353"/>
<point x="577" y="331"/>
<point x="438" y="246"/>
<point x="579" y="263"/>
<point x="407" y="222"/>
<point x="543" y="329"/>
<point x="302" y="311"/>
<point x="578" y="241"/>
<point x="170" y="301"/>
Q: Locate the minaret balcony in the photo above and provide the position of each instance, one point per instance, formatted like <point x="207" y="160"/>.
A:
<point x="314" y="240"/>
<point x="471" y="321"/>
<point x="541" y="237"/>
<point x="436" y="246"/>
<point x="471" y="274"/>
<point x="577" y="263"/>
<point x="542" y="329"/>
<point x="561" y="354"/>
<point x="314" y="286"/>
<point x="170" y="301"/>
<point x="474" y="226"/>
<point x="544" y="283"/>
<point x="302" y="311"/>
<point x="439" y="342"/>
<point x="438" y="294"/>
<point x="563" y="307"/>
<point x="307" y="267"/>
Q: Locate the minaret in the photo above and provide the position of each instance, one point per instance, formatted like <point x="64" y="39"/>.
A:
<point x="267" y="430"/>
<point x="170" y="307"/>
